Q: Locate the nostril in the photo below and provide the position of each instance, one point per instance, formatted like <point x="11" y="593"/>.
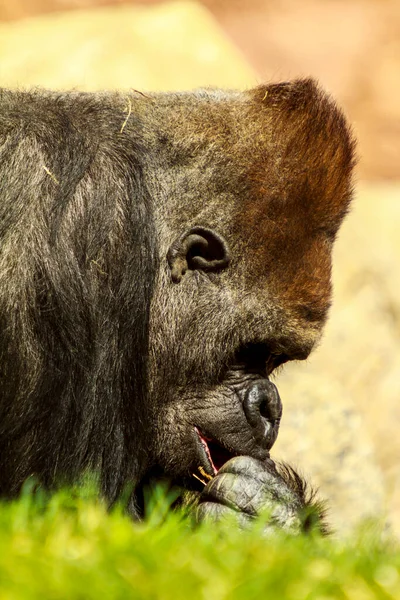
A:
<point x="263" y="409"/>
<point x="262" y="399"/>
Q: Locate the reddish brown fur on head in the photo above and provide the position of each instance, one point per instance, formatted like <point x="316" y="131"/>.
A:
<point x="307" y="156"/>
<point x="269" y="170"/>
<point x="298" y="191"/>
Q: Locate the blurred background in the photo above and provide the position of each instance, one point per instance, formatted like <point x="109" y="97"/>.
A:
<point x="342" y="407"/>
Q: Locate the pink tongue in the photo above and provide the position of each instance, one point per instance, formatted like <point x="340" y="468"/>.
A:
<point x="204" y="443"/>
<point x="207" y="449"/>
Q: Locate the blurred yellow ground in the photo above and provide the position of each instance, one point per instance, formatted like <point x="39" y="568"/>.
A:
<point x="342" y="407"/>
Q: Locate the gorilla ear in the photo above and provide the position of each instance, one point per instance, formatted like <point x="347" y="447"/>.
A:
<point x="198" y="248"/>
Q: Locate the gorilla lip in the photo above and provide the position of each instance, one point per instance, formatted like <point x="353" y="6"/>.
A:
<point x="216" y="454"/>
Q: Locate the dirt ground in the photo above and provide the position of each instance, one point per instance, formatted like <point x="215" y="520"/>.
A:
<point x="342" y="407"/>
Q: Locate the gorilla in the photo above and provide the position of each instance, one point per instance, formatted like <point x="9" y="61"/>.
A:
<point x="160" y="256"/>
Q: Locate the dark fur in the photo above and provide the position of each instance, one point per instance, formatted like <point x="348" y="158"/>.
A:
<point x="74" y="317"/>
<point x="106" y="364"/>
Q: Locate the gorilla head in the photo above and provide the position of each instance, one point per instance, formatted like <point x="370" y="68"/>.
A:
<point x="155" y="270"/>
<point x="255" y="187"/>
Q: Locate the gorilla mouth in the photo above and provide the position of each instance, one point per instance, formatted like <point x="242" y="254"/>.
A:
<point x="216" y="455"/>
<point x="247" y="379"/>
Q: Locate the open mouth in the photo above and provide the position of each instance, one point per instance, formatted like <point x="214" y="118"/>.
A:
<point x="247" y="377"/>
<point x="215" y="454"/>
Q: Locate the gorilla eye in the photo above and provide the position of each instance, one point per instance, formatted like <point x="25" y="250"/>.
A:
<point x="253" y="357"/>
<point x="259" y="358"/>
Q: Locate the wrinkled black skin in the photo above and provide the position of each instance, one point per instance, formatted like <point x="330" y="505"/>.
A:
<point x="245" y="487"/>
<point x="74" y="323"/>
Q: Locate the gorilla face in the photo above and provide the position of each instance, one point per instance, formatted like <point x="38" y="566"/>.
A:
<point x="232" y="327"/>
<point x="212" y="391"/>
<point x="246" y="226"/>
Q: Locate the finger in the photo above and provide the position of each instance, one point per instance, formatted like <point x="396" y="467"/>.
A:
<point x="212" y="512"/>
<point x="238" y="492"/>
<point x="250" y="467"/>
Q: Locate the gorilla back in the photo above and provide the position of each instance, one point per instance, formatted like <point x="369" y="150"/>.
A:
<point x="160" y="256"/>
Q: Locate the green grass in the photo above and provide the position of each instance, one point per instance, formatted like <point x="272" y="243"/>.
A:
<point x="68" y="546"/>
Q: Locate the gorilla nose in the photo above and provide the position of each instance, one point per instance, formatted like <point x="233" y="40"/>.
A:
<point x="263" y="409"/>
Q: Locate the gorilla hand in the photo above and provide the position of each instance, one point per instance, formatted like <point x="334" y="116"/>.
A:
<point x="245" y="487"/>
